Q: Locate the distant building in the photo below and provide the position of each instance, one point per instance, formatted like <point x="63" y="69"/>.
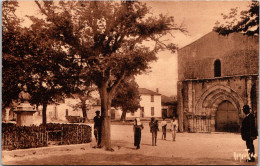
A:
<point x="58" y="112"/>
<point x="150" y="105"/>
<point x="169" y="107"/>
<point x="217" y="76"/>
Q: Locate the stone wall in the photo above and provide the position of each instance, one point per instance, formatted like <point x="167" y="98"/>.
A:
<point x="201" y="98"/>
<point x="200" y="93"/>
<point x="237" y="53"/>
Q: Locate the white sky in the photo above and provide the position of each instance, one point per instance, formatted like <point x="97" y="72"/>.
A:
<point x="199" y="18"/>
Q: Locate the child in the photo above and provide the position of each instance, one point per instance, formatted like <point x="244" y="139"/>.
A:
<point x="174" y="128"/>
<point x="164" y="125"/>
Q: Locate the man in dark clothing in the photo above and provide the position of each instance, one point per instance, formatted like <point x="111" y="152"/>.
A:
<point x="97" y="128"/>
<point x="153" y="129"/>
<point x="249" y="132"/>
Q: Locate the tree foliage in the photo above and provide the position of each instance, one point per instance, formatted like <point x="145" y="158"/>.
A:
<point x="127" y="97"/>
<point x="31" y="57"/>
<point x="12" y="41"/>
<point x="87" y="100"/>
<point x="248" y="23"/>
<point x="108" y="40"/>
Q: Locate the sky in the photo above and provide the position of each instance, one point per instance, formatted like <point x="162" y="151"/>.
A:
<point x="198" y="17"/>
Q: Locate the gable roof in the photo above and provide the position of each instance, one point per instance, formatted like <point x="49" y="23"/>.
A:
<point x="166" y="99"/>
<point x="147" y="91"/>
<point x="213" y="33"/>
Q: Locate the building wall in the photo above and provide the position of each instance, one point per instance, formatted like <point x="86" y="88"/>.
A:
<point x="147" y="104"/>
<point x="204" y="97"/>
<point x="200" y="93"/>
<point x="238" y="55"/>
<point x="58" y="112"/>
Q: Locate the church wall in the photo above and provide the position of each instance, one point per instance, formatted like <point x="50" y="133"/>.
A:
<point x="200" y="92"/>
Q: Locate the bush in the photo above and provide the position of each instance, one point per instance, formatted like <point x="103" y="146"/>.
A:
<point x="20" y="137"/>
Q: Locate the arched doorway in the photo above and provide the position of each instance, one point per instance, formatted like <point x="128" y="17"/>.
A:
<point x="227" y="119"/>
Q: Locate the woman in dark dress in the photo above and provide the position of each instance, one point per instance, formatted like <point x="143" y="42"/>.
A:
<point x="138" y="126"/>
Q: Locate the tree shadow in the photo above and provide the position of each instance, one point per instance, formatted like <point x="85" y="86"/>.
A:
<point x="132" y="148"/>
<point x="147" y="144"/>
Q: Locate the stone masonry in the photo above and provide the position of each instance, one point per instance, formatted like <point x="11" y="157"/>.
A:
<point x="202" y="95"/>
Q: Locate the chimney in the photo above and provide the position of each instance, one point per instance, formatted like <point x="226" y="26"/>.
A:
<point x="157" y="90"/>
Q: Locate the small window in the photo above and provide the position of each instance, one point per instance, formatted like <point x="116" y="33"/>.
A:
<point x="152" y="111"/>
<point x="152" y="98"/>
<point x="142" y="112"/>
<point x="217" y="68"/>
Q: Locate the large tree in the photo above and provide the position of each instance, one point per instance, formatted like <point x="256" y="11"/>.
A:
<point x="52" y="75"/>
<point x="248" y="23"/>
<point x="127" y="97"/>
<point x="30" y="57"/>
<point x="109" y="39"/>
<point x="12" y="41"/>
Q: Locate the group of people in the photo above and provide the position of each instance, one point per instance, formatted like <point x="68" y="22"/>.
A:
<point x="154" y="128"/>
<point x="248" y="130"/>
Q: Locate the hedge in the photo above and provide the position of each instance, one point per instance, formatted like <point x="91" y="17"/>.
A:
<point x="21" y="137"/>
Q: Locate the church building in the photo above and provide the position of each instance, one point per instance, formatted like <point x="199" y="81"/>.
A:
<point x="217" y="75"/>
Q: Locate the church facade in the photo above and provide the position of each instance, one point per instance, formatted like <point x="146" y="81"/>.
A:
<point x="217" y="75"/>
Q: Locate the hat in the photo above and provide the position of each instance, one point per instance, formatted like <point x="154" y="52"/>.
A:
<point x="97" y="112"/>
<point x="246" y="109"/>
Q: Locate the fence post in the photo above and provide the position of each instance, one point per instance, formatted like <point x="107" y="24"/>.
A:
<point x="42" y="139"/>
<point x="47" y="135"/>
<point x="61" y="139"/>
<point x="81" y="133"/>
<point x="77" y="133"/>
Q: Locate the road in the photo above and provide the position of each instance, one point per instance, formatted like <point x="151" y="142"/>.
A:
<point x="188" y="149"/>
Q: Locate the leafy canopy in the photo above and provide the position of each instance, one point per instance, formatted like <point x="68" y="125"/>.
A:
<point x="108" y="37"/>
<point x="248" y="23"/>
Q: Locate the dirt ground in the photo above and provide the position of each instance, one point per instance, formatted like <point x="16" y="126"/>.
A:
<point x="188" y="149"/>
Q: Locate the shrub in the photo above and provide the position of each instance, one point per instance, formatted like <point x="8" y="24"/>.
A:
<point x="20" y="137"/>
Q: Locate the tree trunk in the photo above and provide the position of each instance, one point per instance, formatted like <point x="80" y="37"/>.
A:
<point x="105" y="106"/>
<point x="44" y="117"/>
<point x="84" y="112"/>
<point x="123" y="115"/>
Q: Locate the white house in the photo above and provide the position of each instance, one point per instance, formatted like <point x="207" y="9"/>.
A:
<point x="150" y="105"/>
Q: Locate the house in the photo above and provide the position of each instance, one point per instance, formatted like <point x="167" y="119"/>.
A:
<point x="150" y="105"/>
<point x="169" y="106"/>
<point x="58" y="112"/>
<point x="217" y="76"/>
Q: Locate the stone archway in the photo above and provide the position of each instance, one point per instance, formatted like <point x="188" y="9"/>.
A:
<point x="213" y="97"/>
<point x="227" y="118"/>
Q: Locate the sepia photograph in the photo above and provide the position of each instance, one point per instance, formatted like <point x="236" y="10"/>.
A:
<point x="128" y="82"/>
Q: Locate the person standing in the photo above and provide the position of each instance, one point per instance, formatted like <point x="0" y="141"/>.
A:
<point x="98" y="128"/>
<point x="174" y="128"/>
<point x="138" y="126"/>
<point x="164" y="127"/>
<point x="249" y="132"/>
<point x="153" y="129"/>
<point x="156" y="130"/>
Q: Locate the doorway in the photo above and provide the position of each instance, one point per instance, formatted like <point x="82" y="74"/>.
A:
<point x="227" y="119"/>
